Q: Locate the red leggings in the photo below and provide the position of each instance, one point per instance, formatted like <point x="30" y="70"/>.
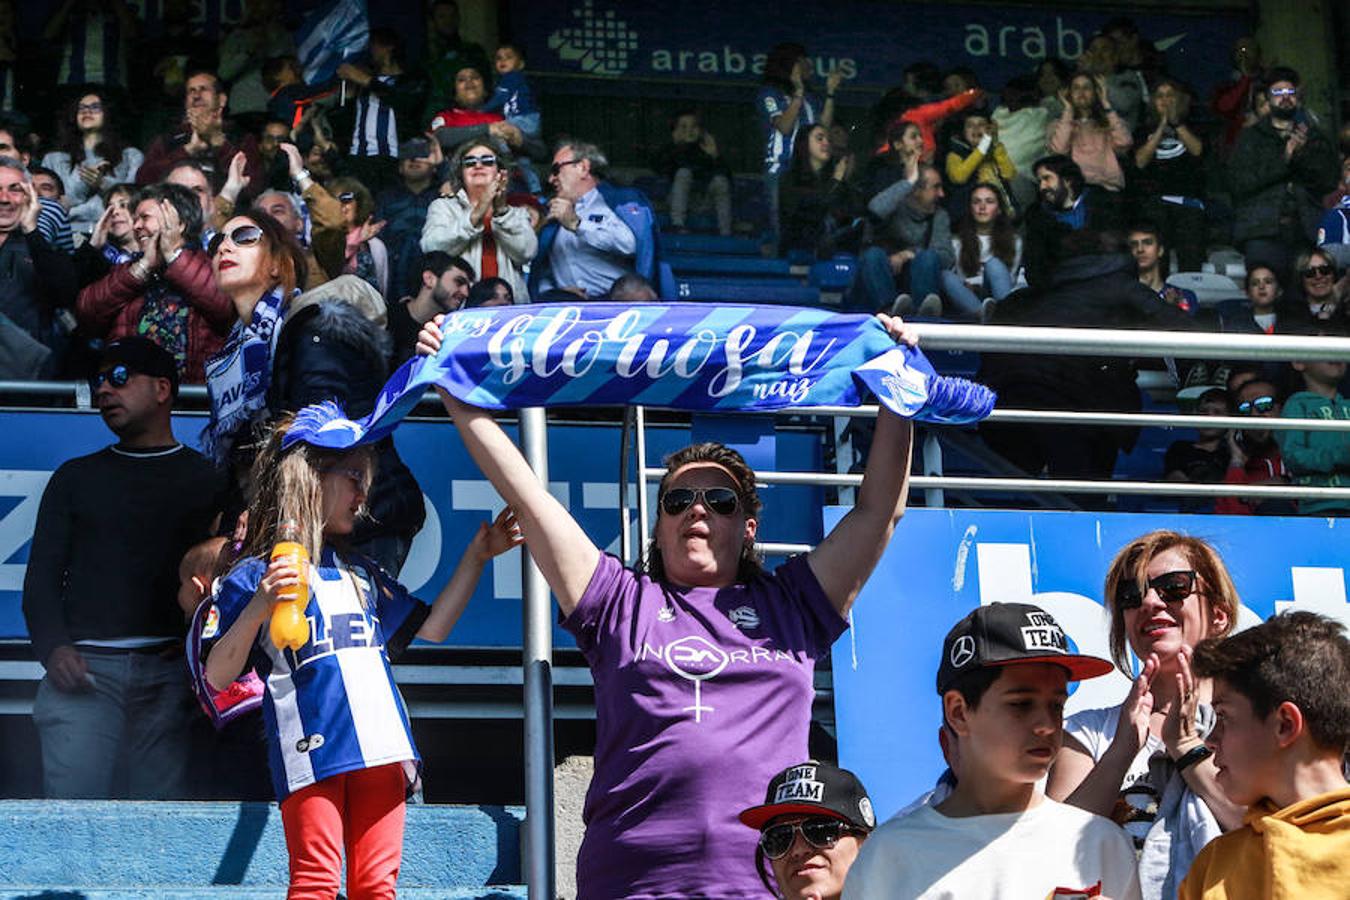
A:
<point x="360" y="811"/>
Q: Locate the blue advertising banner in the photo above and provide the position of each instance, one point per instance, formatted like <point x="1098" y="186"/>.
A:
<point x="869" y="42"/>
<point x="583" y="472"/>
<point x="943" y="563"/>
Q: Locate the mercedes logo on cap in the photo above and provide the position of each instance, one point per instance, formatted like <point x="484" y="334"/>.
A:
<point x="963" y="650"/>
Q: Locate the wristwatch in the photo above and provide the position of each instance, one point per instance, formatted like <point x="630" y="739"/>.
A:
<point x="1192" y="756"/>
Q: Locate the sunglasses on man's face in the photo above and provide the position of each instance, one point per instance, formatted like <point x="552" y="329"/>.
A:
<point x="557" y="167"/>
<point x="243" y="236"/>
<point x="1318" y="271"/>
<point x="821" y="833"/>
<point x="486" y="159"/>
<point x="1257" y="405"/>
<point x="721" y="500"/>
<point x="1171" y="587"/>
<point x="117" y="376"/>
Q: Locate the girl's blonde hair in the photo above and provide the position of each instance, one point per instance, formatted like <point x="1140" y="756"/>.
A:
<point x="287" y="487"/>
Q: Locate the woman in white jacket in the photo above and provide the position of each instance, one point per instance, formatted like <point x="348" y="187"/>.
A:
<point x="476" y="223"/>
<point x="91" y="159"/>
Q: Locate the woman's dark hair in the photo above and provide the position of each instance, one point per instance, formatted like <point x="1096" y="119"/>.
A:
<point x="799" y="170"/>
<point x="69" y="139"/>
<point x="184" y="202"/>
<point x="123" y="187"/>
<point x="1003" y="237"/>
<point x="365" y="203"/>
<point x="1184" y="96"/>
<point x="1062" y="70"/>
<point x="724" y="457"/>
<point x="1020" y="93"/>
<point x="778" y="66"/>
<point x="280" y="246"/>
<point x="1098" y="112"/>
<point x="483" y="291"/>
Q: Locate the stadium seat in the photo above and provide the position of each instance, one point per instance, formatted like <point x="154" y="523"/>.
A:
<point x="833" y="274"/>
<point x="709" y="245"/>
<point x="743" y="266"/>
<point x="1209" y="287"/>
<point x="784" y="291"/>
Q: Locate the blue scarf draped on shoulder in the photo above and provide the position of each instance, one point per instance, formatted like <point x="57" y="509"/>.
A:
<point x="238" y="376"/>
<point x="688" y="356"/>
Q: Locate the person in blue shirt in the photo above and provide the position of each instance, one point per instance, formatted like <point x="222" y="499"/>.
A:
<point x="340" y="745"/>
<point x="783" y="106"/>
<point x="513" y="98"/>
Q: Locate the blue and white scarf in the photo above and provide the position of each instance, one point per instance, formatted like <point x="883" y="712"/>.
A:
<point x="238" y="376"/>
<point x="689" y="356"/>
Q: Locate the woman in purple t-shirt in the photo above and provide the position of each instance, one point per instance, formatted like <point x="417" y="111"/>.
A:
<point x="703" y="664"/>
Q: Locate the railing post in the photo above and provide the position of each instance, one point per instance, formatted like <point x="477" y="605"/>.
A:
<point x="644" y="524"/>
<point x="933" y="498"/>
<point x="537" y="661"/>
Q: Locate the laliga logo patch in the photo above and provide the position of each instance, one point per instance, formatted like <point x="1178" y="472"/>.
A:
<point x="963" y="651"/>
<point x="744" y="617"/>
<point x="869" y="818"/>
<point x="212" y="624"/>
<point x="306" y="744"/>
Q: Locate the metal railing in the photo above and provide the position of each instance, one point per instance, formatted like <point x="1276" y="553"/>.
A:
<point x="1125" y="343"/>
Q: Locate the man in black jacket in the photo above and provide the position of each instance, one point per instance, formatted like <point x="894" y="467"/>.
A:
<point x="1280" y="169"/>
<point x="1095" y="286"/>
<point x="100" y="592"/>
<point x="1067" y="205"/>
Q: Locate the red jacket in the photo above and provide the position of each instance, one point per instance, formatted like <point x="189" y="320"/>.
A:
<point x="111" y="307"/>
<point x="928" y="115"/>
<point x="166" y="151"/>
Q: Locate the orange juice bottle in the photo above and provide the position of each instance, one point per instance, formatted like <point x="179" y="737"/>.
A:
<point x="289" y="626"/>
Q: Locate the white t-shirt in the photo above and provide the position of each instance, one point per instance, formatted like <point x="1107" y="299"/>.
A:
<point x="1049" y="851"/>
<point x="1149" y="771"/>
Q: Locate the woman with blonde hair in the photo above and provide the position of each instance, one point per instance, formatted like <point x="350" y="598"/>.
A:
<point x="1144" y="763"/>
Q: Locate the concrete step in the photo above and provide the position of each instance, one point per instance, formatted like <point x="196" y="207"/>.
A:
<point x="73" y="850"/>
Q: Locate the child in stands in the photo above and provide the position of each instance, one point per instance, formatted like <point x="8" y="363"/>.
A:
<point x="1282" y="695"/>
<point x="1003" y="680"/>
<point x="340" y="742"/>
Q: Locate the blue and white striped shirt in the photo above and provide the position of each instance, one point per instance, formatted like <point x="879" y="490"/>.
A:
<point x="331" y="706"/>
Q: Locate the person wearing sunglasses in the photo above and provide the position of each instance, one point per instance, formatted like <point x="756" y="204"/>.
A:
<point x="1144" y="763"/>
<point x="476" y="223"/>
<point x="166" y="290"/>
<point x="258" y="265"/>
<point x="702" y="661"/>
<point x="1254" y="454"/>
<point x="99" y="594"/>
<point x="1281" y="168"/>
<point x="811" y="825"/>
<point x="1321" y="286"/>
<point x="590" y="234"/>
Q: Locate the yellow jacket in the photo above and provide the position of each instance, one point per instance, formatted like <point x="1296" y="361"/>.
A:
<point x="1301" y="852"/>
<point x="995" y="167"/>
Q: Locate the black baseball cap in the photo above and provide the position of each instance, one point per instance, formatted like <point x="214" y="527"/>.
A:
<point x="814" y="788"/>
<point x="1005" y="634"/>
<point x="142" y="356"/>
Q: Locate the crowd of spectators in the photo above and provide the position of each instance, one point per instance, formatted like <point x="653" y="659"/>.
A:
<point x="287" y="243"/>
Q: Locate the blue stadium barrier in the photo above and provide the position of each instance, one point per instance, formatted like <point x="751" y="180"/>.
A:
<point x="744" y="266"/>
<point x="747" y="290"/>
<point x="709" y="244"/>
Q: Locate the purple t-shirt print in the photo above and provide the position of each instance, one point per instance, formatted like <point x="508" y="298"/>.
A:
<point x="702" y="695"/>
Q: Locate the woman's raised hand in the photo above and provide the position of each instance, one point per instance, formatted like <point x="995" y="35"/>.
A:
<point x="898" y="328"/>
<point x="429" y="338"/>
